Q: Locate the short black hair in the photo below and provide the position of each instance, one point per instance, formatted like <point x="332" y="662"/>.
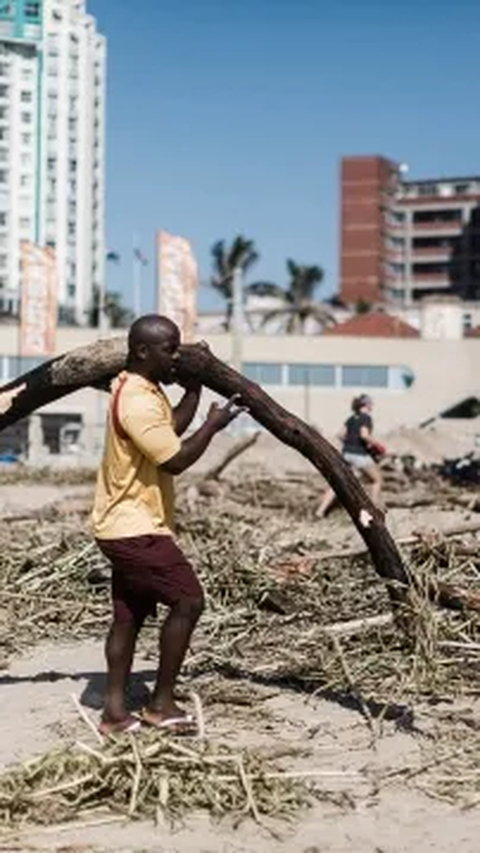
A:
<point x="150" y="328"/>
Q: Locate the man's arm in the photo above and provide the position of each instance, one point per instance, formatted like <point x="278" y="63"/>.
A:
<point x="195" y="445"/>
<point x="184" y="413"/>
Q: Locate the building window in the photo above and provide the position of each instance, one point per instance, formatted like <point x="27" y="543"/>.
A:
<point x="25" y="180"/>
<point x="26" y="158"/>
<point x="3" y="176"/>
<point x="27" y="73"/>
<point x="25" y="223"/>
<point x="400" y="378"/>
<point x="428" y="189"/>
<point x="311" y="374"/>
<point x="32" y="10"/>
<point x="356" y="376"/>
<point x="71" y="290"/>
<point x="18" y="365"/>
<point x="26" y="118"/>
<point x="263" y="373"/>
<point x="440" y="268"/>
<point x="3" y="220"/>
<point x="430" y="216"/>
<point x="3" y="112"/>
<point x="26" y="97"/>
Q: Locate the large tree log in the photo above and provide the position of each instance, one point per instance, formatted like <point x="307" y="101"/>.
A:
<point x="96" y="364"/>
<point x="93" y="365"/>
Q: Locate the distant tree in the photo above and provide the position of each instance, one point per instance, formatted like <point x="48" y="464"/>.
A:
<point x="242" y="254"/>
<point x="118" y="315"/>
<point x="297" y="297"/>
<point x="363" y="306"/>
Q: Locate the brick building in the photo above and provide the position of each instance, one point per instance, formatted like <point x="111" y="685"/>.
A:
<point x="403" y="240"/>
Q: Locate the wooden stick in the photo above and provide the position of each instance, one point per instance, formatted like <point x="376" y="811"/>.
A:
<point x="86" y="719"/>
<point x="233" y="453"/>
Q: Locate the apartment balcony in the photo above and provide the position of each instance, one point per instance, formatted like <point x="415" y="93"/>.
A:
<point x="426" y="229"/>
<point x="395" y="253"/>
<point x="432" y="253"/>
<point x="431" y="279"/>
<point x="436" y="199"/>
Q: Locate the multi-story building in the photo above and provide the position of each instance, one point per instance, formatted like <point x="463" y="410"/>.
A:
<point x="402" y="240"/>
<point x="52" y="146"/>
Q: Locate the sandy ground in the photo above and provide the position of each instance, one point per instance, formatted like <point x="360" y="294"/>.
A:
<point x="22" y="498"/>
<point x="38" y="712"/>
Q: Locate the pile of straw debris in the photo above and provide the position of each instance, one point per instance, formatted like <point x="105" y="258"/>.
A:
<point x="147" y="777"/>
<point x="282" y="611"/>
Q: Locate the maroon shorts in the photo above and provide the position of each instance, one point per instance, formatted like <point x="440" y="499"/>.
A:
<point x="148" y="570"/>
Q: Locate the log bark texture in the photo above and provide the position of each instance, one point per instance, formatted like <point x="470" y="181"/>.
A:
<point x="95" y="364"/>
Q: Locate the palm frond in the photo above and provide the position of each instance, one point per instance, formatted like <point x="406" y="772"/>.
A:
<point x="265" y="288"/>
<point x="303" y="281"/>
<point x="242" y="253"/>
<point x="274" y="314"/>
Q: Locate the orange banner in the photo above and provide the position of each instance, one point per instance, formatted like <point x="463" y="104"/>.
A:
<point x="38" y="319"/>
<point x="177" y="283"/>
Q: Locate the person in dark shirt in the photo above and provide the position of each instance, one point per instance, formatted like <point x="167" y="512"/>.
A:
<point x="358" y="447"/>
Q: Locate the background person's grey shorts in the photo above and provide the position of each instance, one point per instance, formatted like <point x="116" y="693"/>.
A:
<point x="360" y="461"/>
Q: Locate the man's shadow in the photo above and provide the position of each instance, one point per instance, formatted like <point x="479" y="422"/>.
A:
<point x="93" y="693"/>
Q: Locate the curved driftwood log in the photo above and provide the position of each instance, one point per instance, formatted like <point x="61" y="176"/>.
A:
<point x="95" y="364"/>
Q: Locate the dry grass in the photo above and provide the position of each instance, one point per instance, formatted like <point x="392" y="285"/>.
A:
<point x="235" y="536"/>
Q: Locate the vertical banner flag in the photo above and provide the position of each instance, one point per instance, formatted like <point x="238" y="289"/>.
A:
<point x="38" y="317"/>
<point x="177" y="283"/>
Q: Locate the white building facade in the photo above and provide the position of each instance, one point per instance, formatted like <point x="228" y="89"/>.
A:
<point x="52" y="146"/>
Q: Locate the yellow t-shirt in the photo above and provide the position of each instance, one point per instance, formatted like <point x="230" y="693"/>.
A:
<point x="133" y="496"/>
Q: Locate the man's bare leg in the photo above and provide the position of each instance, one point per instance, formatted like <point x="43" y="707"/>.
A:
<point x="174" y="640"/>
<point x="119" y="651"/>
<point x="327" y="501"/>
<point x="375" y="477"/>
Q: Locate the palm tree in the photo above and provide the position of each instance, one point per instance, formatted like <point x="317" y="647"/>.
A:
<point x="242" y="255"/>
<point x="119" y="317"/>
<point x="298" y="298"/>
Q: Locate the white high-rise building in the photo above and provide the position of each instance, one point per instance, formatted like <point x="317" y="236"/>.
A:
<point x="52" y="146"/>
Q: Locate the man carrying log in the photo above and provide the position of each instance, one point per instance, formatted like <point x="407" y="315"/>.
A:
<point x="133" y="519"/>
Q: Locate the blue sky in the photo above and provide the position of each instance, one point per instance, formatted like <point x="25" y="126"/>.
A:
<point x="231" y="116"/>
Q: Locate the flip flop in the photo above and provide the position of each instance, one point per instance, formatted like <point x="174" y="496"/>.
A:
<point x="128" y="725"/>
<point x="183" y="724"/>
